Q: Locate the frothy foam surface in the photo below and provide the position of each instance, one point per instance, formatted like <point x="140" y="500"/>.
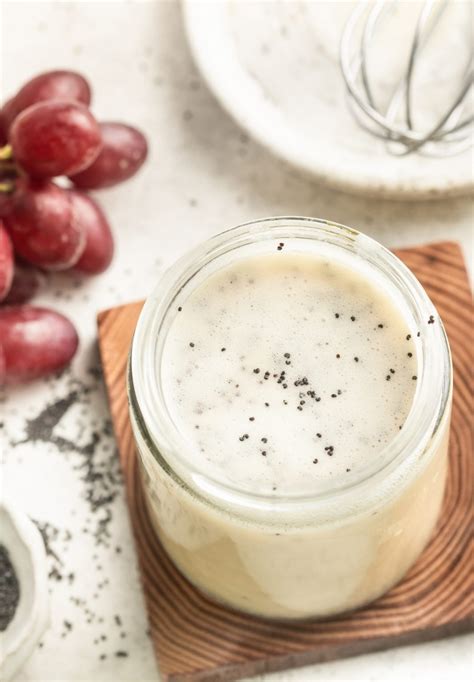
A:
<point x="286" y="370"/>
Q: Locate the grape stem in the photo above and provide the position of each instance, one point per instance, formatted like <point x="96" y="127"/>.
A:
<point x="7" y="187"/>
<point x="6" y="152"/>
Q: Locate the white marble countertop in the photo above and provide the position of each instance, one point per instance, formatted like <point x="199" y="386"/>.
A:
<point x="203" y="174"/>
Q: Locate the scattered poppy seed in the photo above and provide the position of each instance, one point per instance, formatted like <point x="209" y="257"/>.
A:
<point x="251" y="419"/>
<point x="356" y="359"/>
<point x="414" y="377"/>
<point x="352" y="318"/>
<point x="191" y="344"/>
<point x="9" y="589"/>
<point x="179" y="309"/>
<point x="408" y="337"/>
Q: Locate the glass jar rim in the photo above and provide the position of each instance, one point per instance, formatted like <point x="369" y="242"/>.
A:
<point x="168" y="445"/>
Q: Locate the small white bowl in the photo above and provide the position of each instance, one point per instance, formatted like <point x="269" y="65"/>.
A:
<point x="27" y="554"/>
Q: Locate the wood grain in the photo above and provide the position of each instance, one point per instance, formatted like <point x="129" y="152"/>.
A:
<point x="196" y="639"/>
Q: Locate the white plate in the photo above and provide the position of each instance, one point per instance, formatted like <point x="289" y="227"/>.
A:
<point x="274" y="67"/>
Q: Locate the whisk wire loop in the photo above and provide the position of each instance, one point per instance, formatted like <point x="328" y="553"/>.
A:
<point x="395" y="123"/>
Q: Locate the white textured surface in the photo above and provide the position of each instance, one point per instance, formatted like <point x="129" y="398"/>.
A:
<point x="203" y="174"/>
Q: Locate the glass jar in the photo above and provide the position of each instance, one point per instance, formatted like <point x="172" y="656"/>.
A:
<point x="298" y="556"/>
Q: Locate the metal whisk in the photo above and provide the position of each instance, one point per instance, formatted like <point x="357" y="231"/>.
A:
<point x="393" y="121"/>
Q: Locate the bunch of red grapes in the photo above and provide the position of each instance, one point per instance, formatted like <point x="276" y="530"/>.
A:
<point x="47" y="131"/>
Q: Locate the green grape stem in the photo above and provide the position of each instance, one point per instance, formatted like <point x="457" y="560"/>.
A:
<point x="6" y="152"/>
<point x="7" y="187"/>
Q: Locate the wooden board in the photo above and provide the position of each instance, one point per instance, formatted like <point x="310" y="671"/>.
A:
<point x="196" y="639"/>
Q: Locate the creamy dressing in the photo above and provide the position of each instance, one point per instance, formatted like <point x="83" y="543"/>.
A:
<point x="286" y="372"/>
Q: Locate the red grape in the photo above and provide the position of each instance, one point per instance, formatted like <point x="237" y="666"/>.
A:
<point x="3" y="129"/>
<point x="6" y="262"/>
<point x="3" y="372"/>
<point x="55" y="138"/>
<point x="99" y="249"/>
<point x="5" y="203"/>
<point x="25" y="284"/>
<point x="42" y="226"/>
<point x="47" y="86"/>
<point x="35" y="341"/>
<point x="124" y="149"/>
